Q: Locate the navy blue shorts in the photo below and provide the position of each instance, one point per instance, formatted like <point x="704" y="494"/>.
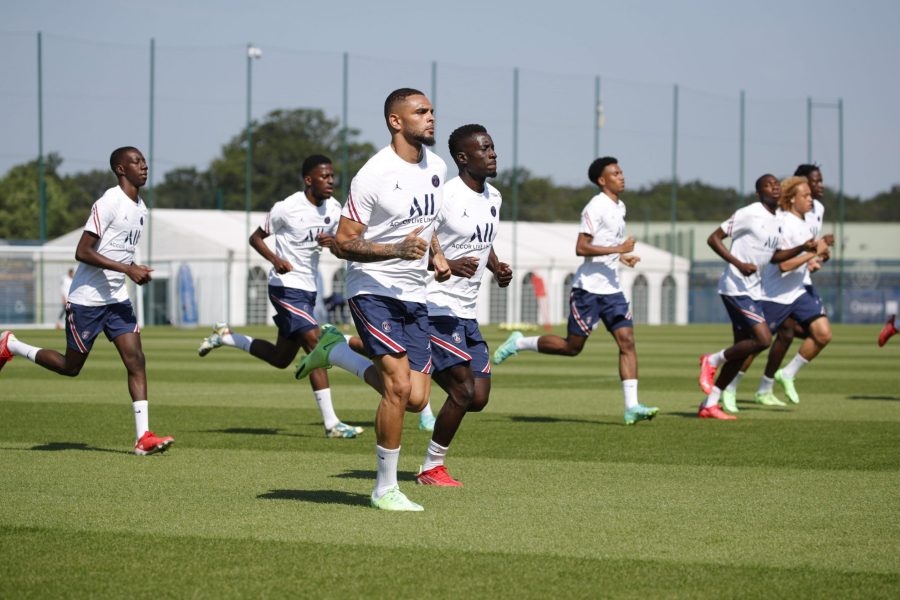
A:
<point x="456" y="341"/>
<point x="586" y="310"/>
<point x="294" y="310"/>
<point x="84" y="323"/>
<point x="392" y="326"/>
<point x="805" y="309"/>
<point x="745" y="312"/>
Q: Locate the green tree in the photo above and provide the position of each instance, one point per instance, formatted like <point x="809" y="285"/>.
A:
<point x="185" y="187"/>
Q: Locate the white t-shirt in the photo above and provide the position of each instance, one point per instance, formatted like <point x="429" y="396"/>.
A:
<point x="785" y="287"/>
<point x="392" y="198"/>
<point x="118" y="221"/>
<point x="815" y="219"/>
<point x="466" y="226"/>
<point x="295" y="222"/>
<point x="754" y="233"/>
<point x="604" y="219"/>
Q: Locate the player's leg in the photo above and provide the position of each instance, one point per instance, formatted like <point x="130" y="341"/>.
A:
<point x="459" y="384"/>
<point x="628" y="374"/>
<point x="83" y="325"/>
<point x="819" y="336"/>
<point x="729" y="394"/>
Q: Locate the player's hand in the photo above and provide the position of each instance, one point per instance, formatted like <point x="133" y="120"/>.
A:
<point x="746" y="269"/>
<point x="503" y="274"/>
<point x="412" y="247"/>
<point x="829" y="239"/>
<point x="821" y="246"/>
<point x="463" y="267"/>
<point x="326" y="240"/>
<point x="282" y="266"/>
<point x="442" y="269"/>
<point x="140" y="274"/>
<point x="810" y="245"/>
<point x="627" y="246"/>
<point x="630" y="260"/>
<point x="813" y="265"/>
<point x="824" y="256"/>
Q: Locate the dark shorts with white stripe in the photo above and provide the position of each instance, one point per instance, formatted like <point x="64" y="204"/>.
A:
<point x="744" y="311"/>
<point x="392" y="326"/>
<point x="586" y="310"/>
<point x="85" y="323"/>
<point x="456" y="341"/>
<point x="294" y="310"/>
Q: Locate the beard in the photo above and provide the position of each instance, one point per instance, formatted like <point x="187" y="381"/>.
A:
<point x="421" y="138"/>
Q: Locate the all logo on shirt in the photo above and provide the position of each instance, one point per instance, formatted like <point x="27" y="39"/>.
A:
<point x="487" y="234"/>
<point x="426" y="207"/>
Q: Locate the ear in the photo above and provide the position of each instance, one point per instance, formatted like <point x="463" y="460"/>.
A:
<point x="395" y="122"/>
<point x="307" y="181"/>
<point x="462" y="158"/>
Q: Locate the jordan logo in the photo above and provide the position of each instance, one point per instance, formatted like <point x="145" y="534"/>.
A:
<point x="465" y="212"/>
<point x="397" y="186"/>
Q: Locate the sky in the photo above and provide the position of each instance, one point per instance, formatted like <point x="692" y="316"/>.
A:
<point x="96" y="80"/>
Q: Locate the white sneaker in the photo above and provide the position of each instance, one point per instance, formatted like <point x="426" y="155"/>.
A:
<point x="214" y="340"/>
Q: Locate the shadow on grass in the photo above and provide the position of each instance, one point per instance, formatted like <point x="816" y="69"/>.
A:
<point x="360" y="474"/>
<point x="546" y="419"/>
<point x="256" y="431"/>
<point x="318" y="496"/>
<point x="895" y="398"/>
<point x="60" y="446"/>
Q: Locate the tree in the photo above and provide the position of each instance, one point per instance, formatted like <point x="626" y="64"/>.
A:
<point x="184" y="187"/>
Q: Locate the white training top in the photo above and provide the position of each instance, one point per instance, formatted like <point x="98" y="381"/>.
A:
<point x="604" y="219"/>
<point x="785" y="287"/>
<point x="295" y="222"/>
<point x="816" y="220"/>
<point x="392" y="198"/>
<point x="118" y="221"/>
<point x="466" y="226"/>
<point x="754" y="233"/>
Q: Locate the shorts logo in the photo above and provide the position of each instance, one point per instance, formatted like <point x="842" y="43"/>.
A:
<point x="435" y="180"/>
<point x="386" y="326"/>
<point x="456" y="337"/>
<point x="588" y="319"/>
<point x="85" y="334"/>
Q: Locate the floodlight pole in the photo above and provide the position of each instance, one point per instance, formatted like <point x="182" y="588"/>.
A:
<point x="252" y="53"/>
<point x="151" y="296"/>
<point x="598" y="116"/>
<point x="42" y="183"/>
<point x="741" y="198"/>
<point x="674" y="194"/>
<point x="345" y="150"/>
<point x="515" y="195"/>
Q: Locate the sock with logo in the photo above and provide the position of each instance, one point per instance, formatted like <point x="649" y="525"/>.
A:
<point x="435" y="455"/>
<point x="236" y="340"/>
<point x="141" y="417"/>
<point x="21" y="348"/>
<point x="323" y="399"/>
<point x="629" y="388"/>
<point x="528" y="343"/>
<point x="795" y="365"/>
<point x="386" y="475"/>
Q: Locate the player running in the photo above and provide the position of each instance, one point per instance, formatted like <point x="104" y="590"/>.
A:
<point x="466" y="229"/>
<point x="303" y="224"/>
<point x="596" y="292"/>
<point x="98" y="298"/>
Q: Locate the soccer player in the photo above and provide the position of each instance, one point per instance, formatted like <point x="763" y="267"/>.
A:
<point x="98" y="299"/>
<point x="596" y="293"/>
<point x="466" y="229"/>
<point x="384" y="233"/>
<point x="303" y="224"/>
<point x="754" y="233"/>
<point x="764" y="394"/>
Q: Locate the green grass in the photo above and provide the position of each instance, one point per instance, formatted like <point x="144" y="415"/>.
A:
<point x="560" y="498"/>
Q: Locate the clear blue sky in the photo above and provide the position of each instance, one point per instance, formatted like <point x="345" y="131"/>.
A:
<point x="96" y="79"/>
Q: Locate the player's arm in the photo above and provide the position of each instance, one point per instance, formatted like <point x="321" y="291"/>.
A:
<point x="86" y="252"/>
<point x="792" y="263"/>
<point x="584" y="247"/>
<point x="716" y="241"/>
<point x="809" y="246"/>
<point x="502" y="271"/>
<point x="351" y="245"/>
<point x="438" y="261"/>
<point x="256" y="242"/>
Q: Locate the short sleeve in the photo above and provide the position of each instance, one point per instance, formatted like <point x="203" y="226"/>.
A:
<point x="274" y="220"/>
<point x="728" y="226"/>
<point x="360" y="202"/>
<point x="102" y="214"/>
<point x="334" y="212"/>
<point x="590" y="220"/>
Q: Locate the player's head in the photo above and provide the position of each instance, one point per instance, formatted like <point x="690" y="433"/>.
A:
<point x="813" y="173"/>
<point x="796" y="194"/>
<point x="472" y="149"/>
<point x="768" y="189"/>
<point x="409" y="113"/>
<point x="606" y="173"/>
<point x="127" y="162"/>
<point x="318" y="177"/>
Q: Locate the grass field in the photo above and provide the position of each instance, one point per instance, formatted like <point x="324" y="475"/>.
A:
<point x="560" y="498"/>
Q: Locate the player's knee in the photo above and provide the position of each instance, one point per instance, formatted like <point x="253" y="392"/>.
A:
<point x="72" y="371"/>
<point x="462" y="395"/>
<point x="416" y="404"/>
<point x="573" y="348"/>
<point x="478" y="403"/>
<point x="281" y="362"/>
<point x="135" y="362"/>
<point x="399" y="391"/>
<point x="822" y="337"/>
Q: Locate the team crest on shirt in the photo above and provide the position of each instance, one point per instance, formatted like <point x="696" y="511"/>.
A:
<point x="456" y="337"/>
<point x="327" y="220"/>
<point x="142" y="220"/>
<point x="493" y="211"/>
<point x="386" y="326"/>
<point x="435" y="180"/>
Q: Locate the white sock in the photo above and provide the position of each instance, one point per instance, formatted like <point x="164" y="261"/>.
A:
<point x="323" y="399"/>
<point x="141" y="417"/>
<point x="765" y="385"/>
<point x="434" y="456"/>
<point x="426" y="412"/>
<point x="795" y="365"/>
<point x="343" y="356"/>
<point x="713" y="398"/>
<point x="386" y="476"/>
<point x="528" y="343"/>
<point x="21" y="348"/>
<point x="236" y="340"/>
<point x="629" y="388"/>
<point x="732" y="387"/>
<point x="717" y="359"/>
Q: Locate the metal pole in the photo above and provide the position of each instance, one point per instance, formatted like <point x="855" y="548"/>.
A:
<point x="151" y="299"/>
<point x="515" y="193"/>
<point x="433" y="82"/>
<point x="345" y="151"/>
<point x="42" y="184"/>
<point x="598" y="116"/>
<point x="809" y="108"/>
<point x="248" y="188"/>
<point x="742" y="199"/>
<point x="841" y="208"/>
<point x="674" y="194"/>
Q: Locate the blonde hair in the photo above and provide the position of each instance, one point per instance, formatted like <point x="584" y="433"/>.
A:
<point x="789" y="189"/>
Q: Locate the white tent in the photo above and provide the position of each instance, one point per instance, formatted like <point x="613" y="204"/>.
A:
<point x="229" y="277"/>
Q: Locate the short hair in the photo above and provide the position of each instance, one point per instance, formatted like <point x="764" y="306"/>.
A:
<point x="312" y="162"/>
<point x="805" y="170"/>
<point x="398" y="96"/>
<point x="789" y="189"/>
<point x="118" y="154"/>
<point x="759" y="182"/>
<point x="460" y="135"/>
<point x="596" y="168"/>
